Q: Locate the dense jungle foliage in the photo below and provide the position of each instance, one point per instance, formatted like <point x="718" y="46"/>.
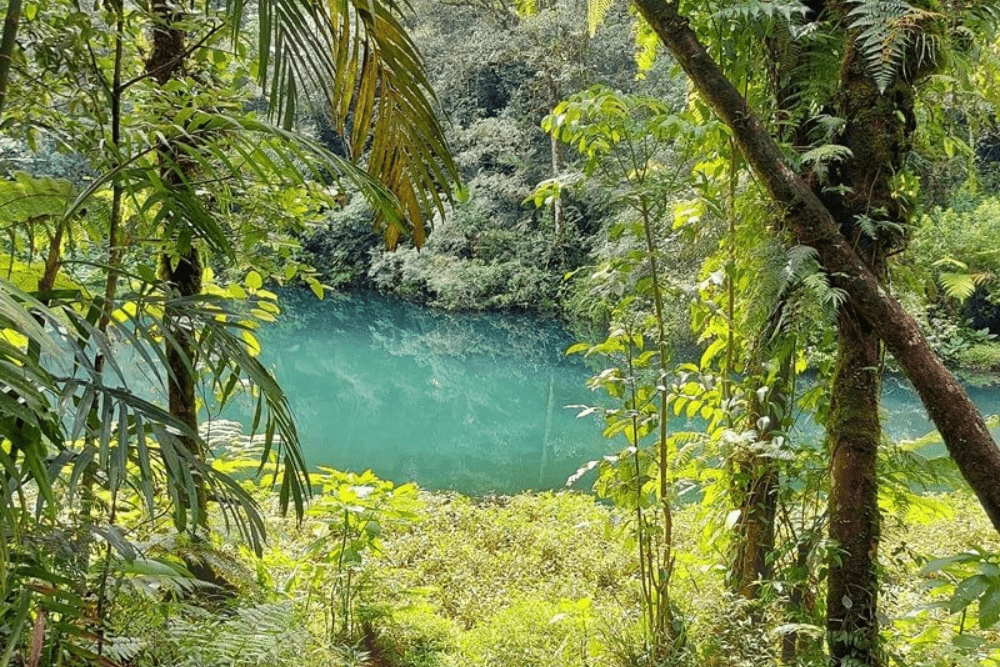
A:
<point x="739" y="227"/>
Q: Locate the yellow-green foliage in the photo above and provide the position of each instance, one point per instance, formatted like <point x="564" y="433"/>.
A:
<point x="481" y="554"/>
<point x="25" y="276"/>
<point x="981" y="357"/>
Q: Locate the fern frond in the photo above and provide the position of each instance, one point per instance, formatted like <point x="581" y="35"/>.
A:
<point x="646" y="43"/>
<point x="769" y="10"/>
<point x="596" y="11"/>
<point x="800" y="262"/>
<point x="886" y="30"/>
<point x="825" y="154"/>
<point x="961" y="286"/>
<point x="526" y="7"/>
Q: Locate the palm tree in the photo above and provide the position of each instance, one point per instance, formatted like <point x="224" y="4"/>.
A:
<point x="65" y="409"/>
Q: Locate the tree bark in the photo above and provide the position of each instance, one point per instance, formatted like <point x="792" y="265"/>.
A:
<point x="961" y="426"/>
<point x="757" y="483"/>
<point x="878" y="130"/>
<point x="10" y="24"/>
<point x="182" y="274"/>
<point x="855" y="431"/>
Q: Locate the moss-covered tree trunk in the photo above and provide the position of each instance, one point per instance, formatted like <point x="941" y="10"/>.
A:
<point x="181" y="270"/>
<point x="878" y="130"/>
<point x="855" y="431"/>
<point x="961" y="425"/>
<point x="756" y="482"/>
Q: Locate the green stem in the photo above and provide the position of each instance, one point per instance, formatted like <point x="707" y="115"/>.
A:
<point x="644" y="568"/>
<point x="727" y="387"/>
<point x="661" y="333"/>
<point x="660" y="577"/>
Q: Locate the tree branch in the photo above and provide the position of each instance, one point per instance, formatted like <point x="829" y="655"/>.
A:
<point x="961" y="426"/>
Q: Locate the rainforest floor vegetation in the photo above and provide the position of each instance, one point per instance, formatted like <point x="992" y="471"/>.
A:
<point x="389" y="576"/>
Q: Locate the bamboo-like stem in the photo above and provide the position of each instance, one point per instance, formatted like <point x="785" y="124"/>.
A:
<point x="662" y="584"/>
<point x="645" y="567"/>
<point x="727" y="376"/>
<point x="114" y="259"/>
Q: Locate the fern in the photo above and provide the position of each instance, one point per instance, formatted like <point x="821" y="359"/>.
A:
<point x="822" y="156"/>
<point x="829" y="295"/>
<point x="267" y="634"/>
<point x="826" y="153"/>
<point x="596" y="11"/>
<point x="961" y="286"/>
<point x="886" y="30"/>
<point x="769" y="10"/>
<point x="646" y="42"/>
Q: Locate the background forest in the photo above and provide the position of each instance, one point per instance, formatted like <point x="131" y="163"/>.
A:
<point x="737" y="228"/>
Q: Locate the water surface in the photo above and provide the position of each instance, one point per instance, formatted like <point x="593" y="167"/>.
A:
<point x="470" y="402"/>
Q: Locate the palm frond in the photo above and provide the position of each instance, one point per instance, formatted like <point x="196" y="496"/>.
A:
<point x="220" y="328"/>
<point x="115" y="430"/>
<point x="370" y="76"/>
<point x="391" y="110"/>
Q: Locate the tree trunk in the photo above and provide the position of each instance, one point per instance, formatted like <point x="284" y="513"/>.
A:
<point x="755" y="530"/>
<point x="878" y="131"/>
<point x="184" y="278"/>
<point x="961" y="426"/>
<point x="757" y="484"/>
<point x="855" y="431"/>
<point x="10" y="24"/>
<point x="182" y="274"/>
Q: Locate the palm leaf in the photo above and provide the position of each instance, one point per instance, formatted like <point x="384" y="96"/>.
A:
<point x="358" y="57"/>
<point x="219" y="325"/>
<point x="125" y="428"/>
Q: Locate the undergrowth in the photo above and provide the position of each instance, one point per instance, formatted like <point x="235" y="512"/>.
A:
<point x="444" y="580"/>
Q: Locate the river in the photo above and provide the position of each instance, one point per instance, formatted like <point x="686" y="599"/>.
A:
<point x="470" y="402"/>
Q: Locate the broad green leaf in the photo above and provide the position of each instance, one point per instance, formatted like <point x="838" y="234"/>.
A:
<point x="989" y="606"/>
<point x="254" y="281"/>
<point x="967" y="590"/>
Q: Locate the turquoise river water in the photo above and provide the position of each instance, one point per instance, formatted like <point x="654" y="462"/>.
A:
<point x="470" y="402"/>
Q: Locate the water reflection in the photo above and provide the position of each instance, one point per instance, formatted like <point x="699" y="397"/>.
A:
<point x="471" y="402"/>
<point x="467" y="402"/>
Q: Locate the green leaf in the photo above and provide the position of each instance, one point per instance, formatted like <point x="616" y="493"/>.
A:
<point x="968" y="642"/>
<point x="989" y="607"/>
<point x="967" y="591"/>
<point x="254" y="281"/>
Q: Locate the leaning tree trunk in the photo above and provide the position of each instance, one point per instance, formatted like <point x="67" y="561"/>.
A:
<point x="961" y="426"/>
<point x="182" y="274"/>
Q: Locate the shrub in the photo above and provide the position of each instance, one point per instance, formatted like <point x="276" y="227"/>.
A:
<point x="982" y="357"/>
